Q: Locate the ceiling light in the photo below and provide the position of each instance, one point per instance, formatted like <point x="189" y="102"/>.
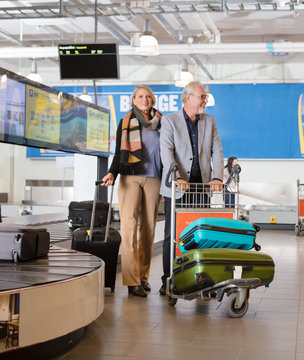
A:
<point x="211" y="101"/>
<point x="148" y="43"/>
<point x="85" y="96"/>
<point x="184" y="76"/>
<point x="33" y="75"/>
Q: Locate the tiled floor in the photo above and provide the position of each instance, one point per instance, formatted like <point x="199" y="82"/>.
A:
<point x="133" y="328"/>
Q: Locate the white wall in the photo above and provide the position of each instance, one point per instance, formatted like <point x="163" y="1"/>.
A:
<point x="16" y="168"/>
<point x="232" y="73"/>
<point x="85" y="174"/>
<point x="272" y="181"/>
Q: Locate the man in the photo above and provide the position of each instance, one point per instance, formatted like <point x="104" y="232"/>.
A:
<point x="190" y="139"/>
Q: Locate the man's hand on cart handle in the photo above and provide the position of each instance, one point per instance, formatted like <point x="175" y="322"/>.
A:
<point x="216" y="185"/>
<point x="182" y="185"/>
<point x="107" y="180"/>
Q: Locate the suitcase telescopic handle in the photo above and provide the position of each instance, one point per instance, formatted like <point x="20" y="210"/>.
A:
<point x="97" y="183"/>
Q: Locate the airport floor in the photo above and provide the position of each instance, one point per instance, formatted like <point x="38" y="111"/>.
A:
<point x="133" y="328"/>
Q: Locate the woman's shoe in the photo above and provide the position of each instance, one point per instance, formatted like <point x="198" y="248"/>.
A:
<point x="137" y="290"/>
<point x="146" y="285"/>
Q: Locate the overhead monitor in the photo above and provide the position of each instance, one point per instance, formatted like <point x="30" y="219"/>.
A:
<point x="88" y="61"/>
<point x="36" y="115"/>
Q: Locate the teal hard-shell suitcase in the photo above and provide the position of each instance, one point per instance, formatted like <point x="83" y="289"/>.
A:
<point x="215" y="232"/>
<point x="199" y="269"/>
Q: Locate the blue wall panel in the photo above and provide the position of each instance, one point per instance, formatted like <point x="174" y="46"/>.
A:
<point x="255" y="121"/>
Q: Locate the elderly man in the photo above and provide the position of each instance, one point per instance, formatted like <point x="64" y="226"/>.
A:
<point x="190" y="138"/>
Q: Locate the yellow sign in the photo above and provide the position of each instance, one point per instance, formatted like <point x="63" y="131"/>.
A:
<point x="97" y="130"/>
<point x="273" y="220"/>
<point x="42" y="115"/>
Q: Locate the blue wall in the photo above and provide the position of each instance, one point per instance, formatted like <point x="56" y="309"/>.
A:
<point x="255" y="121"/>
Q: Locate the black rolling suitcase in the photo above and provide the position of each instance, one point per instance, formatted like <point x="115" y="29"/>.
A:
<point x="80" y="214"/>
<point x="100" y="241"/>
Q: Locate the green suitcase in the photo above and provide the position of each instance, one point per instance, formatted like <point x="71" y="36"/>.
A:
<point x="201" y="268"/>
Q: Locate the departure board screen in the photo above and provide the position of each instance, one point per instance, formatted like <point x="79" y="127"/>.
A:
<point x="88" y="61"/>
<point x="12" y="110"/>
<point x="42" y="117"/>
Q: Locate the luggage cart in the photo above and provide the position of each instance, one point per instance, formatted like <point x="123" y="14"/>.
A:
<point x="195" y="201"/>
<point x="300" y="204"/>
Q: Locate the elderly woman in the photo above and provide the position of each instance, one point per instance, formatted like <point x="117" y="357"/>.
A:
<point x="137" y="160"/>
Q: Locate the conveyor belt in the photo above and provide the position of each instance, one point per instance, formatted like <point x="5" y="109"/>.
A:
<point x="60" y="264"/>
<point x="59" y="231"/>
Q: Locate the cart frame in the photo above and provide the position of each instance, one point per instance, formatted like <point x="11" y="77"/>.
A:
<point x="300" y="208"/>
<point x="236" y="289"/>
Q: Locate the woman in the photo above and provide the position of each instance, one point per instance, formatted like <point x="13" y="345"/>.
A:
<point x="231" y="186"/>
<point x="137" y="160"/>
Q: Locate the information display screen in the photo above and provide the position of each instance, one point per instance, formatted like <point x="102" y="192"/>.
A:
<point x="97" y="130"/>
<point x="12" y="110"/>
<point x="73" y="124"/>
<point x="42" y="117"/>
<point x="88" y="61"/>
<point x="39" y="116"/>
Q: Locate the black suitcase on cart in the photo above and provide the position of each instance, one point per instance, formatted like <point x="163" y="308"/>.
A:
<point x="102" y="242"/>
<point x="80" y="214"/>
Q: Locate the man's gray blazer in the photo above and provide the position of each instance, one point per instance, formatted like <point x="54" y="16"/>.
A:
<point x="175" y="146"/>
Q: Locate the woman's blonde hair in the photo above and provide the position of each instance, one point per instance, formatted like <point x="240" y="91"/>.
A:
<point x="142" y="87"/>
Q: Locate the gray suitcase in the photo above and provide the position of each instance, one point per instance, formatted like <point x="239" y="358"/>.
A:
<point x="18" y="242"/>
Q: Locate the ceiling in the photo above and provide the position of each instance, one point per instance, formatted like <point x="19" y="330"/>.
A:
<point x="201" y="32"/>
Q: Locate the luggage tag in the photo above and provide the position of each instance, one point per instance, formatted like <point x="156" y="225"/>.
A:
<point x="237" y="272"/>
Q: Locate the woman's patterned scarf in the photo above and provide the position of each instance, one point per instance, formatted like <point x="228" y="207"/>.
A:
<point x="130" y="147"/>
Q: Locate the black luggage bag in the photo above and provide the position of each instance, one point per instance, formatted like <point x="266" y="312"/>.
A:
<point x="106" y="250"/>
<point x="21" y="242"/>
<point x="80" y="214"/>
<point x="100" y="241"/>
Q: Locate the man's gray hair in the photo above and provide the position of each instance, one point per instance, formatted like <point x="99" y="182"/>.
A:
<point x="188" y="89"/>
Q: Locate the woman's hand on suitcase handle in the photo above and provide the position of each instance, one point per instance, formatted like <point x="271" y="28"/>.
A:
<point x="107" y="180"/>
<point x="182" y="185"/>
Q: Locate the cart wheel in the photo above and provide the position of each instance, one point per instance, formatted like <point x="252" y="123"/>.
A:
<point x="172" y="301"/>
<point x="232" y="311"/>
<point x="257" y="247"/>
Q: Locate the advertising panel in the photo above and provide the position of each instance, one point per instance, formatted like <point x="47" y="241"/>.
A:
<point x="255" y="121"/>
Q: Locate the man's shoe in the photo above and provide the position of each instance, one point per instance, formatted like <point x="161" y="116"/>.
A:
<point x="146" y="285"/>
<point x="137" y="290"/>
<point x="162" y="290"/>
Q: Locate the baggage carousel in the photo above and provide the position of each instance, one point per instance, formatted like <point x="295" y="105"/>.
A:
<point x="46" y="303"/>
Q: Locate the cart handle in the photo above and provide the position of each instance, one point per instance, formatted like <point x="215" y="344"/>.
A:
<point x="172" y="170"/>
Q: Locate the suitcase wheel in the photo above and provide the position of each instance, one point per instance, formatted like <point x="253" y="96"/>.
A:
<point x="234" y="312"/>
<point x="257" y="228"/>
<point x="172" y="301"/>
<point x="257" y="247"/>
<point x="15" y="256"/>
